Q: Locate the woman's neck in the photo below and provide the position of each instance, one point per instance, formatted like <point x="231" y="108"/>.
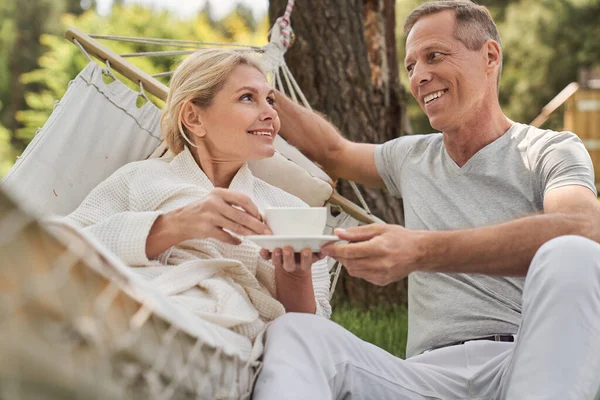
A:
<point x="219" y="172"/>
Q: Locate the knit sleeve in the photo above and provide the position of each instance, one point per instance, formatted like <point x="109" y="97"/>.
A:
<point x="321" y="285"/>
<point x="107" y="214"/>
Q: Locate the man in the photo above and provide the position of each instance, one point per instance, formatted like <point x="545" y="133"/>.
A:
<point x="487" y="202"/>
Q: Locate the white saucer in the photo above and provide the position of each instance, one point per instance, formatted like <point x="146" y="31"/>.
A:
<point x="271" y="242"/>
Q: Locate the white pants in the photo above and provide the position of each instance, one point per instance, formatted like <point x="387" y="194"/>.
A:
<point x="556" y="354"/>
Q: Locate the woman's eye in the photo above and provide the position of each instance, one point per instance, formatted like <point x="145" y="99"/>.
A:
<point x="271" y="101"/>
<point x="246" y="96"/>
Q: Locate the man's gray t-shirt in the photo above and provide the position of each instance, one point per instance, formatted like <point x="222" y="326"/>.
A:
<point x="505" y="180"/>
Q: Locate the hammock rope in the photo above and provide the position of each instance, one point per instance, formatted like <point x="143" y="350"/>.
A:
<point x="194" y="44"/>
<point x="285" y="24"/>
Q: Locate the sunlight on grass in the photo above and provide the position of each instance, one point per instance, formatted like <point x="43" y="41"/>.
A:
<point x="384" y="326"/>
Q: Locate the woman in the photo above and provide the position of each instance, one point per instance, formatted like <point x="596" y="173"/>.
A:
<point x="176" y="218"/>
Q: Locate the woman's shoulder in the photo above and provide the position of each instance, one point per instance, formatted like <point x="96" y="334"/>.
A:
<point x="135" y="169"/>
<point x="272" y="196"/>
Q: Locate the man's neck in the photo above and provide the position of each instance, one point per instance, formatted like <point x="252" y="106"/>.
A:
<point x="471" y="136"/>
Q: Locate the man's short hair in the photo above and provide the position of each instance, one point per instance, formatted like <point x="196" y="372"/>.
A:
<point x="474" y="23"/>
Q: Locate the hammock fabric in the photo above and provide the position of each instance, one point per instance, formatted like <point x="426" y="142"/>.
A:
<point x="65" y="300"/>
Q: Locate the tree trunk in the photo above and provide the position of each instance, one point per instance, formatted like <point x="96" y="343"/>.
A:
<point x="344" y="59"/>
<point x="31" y="19"/>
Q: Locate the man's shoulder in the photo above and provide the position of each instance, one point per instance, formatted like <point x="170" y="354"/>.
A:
<point x="534" y="134"/>
<point x="416" y="141"/>
<point x="420" y="137"/>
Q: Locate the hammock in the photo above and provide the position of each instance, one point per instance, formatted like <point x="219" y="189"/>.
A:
<point x="65" y="300"/>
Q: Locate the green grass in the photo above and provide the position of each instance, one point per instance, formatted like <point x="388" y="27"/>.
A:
<point x="384" y="326"/>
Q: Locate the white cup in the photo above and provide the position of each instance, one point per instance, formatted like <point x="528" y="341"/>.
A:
<point x="309" y="221"/>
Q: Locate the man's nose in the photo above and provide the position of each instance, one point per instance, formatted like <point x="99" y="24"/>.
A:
<point x="421" y="75"/>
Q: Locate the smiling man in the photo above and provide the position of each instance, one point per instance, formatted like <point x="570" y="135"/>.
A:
<point x="500" y="245"/>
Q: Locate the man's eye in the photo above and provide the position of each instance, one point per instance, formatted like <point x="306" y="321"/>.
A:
<point x="410" y="67"/>
<point x="435" y="55"/>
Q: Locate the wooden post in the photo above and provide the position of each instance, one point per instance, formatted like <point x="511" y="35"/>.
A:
<point x="582" y="116"/>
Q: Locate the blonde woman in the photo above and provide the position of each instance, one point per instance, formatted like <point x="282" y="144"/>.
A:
<point x="173" y="219"/>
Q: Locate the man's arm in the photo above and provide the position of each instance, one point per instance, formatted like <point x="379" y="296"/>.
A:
<point x="383" y="254"/>
<point x="507" y="249"/>
<point x="321" y="142"/>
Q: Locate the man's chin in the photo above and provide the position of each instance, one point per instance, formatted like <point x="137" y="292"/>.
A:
<point x="435" y="123"/>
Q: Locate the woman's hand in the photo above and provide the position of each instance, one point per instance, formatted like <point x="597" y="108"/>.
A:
<point x="290" y="262"/>
<point x="221" y="210"/>
<point x="293" y="278"/>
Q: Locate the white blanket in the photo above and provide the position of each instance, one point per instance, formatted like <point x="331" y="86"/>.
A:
<point x="225" y="284"/>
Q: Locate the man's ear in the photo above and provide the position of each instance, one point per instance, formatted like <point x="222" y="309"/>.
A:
<point x="191" y="118"/>
<point x="493" y="55"/>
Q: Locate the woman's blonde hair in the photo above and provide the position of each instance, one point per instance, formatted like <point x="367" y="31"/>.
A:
<point x="198" y="79"/>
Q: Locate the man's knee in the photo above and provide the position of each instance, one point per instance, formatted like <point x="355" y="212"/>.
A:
<point x="567" y="261"/>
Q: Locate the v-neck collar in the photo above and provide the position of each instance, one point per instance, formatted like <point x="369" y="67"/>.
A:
<point x="446" y="159"/>
<point x="185" y="165"/>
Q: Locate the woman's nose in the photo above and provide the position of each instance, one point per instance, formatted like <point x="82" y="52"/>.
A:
<point x="267" y="112"/>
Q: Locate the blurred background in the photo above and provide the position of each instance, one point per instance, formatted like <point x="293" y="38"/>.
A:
<point x="547" y="45"/>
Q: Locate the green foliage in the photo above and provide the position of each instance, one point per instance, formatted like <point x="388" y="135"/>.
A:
<point x="384" y="326"/>
<point x="21" y="24"/>
<point x="59" y="61"/>
<point x="7" y="153"/>
<point x="545" y="45"/>
<point x="7" y="38"/>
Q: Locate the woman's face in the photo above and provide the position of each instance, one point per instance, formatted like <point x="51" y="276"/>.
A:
<point x="241" y="123"/>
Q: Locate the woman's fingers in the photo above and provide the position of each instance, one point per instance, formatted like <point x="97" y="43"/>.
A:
<point x="277" y="258"/>
<point x="289" y="261"/>
<point x="265" y="254"/>
<point x="306" y="259"/>
<point x="223" y="236"/>
<point x="241" y="200"/>
<point x="233" y="226"/>
<point x="242" y="222"/>
<point x="292" y="261"/>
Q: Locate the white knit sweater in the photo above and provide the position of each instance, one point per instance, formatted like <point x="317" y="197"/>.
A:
<point x="225" y="284"/>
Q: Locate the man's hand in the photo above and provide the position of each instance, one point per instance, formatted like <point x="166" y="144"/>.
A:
<point x="378" y="253"/>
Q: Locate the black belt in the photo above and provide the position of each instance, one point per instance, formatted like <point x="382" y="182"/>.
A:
<point x="493" y="338"/>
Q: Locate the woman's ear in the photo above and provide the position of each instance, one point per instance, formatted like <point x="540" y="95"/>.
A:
<point x="191" y="118"/>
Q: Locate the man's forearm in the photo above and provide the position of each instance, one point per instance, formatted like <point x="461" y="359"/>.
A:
<point x="310" y="133"/>
<point x="506" y="249"/>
